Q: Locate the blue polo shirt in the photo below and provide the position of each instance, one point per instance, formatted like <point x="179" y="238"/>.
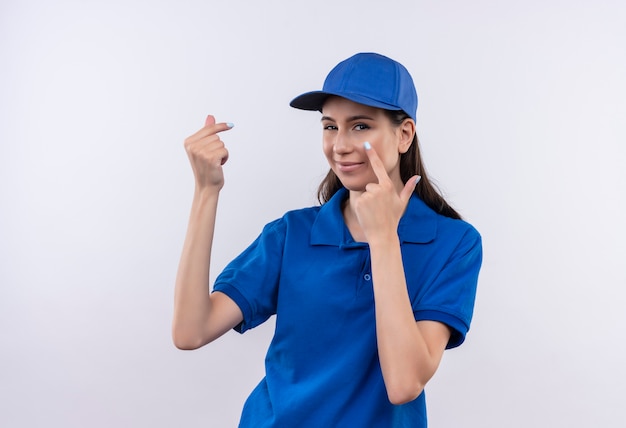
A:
<point x="322" y="367"/>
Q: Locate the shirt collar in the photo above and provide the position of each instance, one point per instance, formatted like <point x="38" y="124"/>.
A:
<point x="418" y="225"/>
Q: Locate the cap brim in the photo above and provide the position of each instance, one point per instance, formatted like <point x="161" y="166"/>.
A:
<point x="310" y="101"/>
<point x="315" y="101"/>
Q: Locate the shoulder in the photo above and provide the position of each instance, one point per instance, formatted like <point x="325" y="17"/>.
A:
<point x="422" y="225"/>
<point x="449" y="227"/>
<point x="302" y="214"/>
<point x="298" y="219"/>
<point x="461" y="241"/>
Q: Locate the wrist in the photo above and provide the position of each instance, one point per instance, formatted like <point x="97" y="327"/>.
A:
<point x="206" y="193"/>
<point x="383" y="241"/>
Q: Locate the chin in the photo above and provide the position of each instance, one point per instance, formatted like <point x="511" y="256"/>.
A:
<point x="354" y="187"/>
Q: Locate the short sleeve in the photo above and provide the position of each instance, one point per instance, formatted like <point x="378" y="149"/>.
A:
<point x="450" y="297"/>
<point x="251" y="279"/>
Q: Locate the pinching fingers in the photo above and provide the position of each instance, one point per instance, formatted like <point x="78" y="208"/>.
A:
<point x="210" y="128"/>
<point x="214" y="128"/>
<point x="210" y="122"/>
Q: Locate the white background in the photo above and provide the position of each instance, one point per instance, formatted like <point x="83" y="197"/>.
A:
<point x="522" y="121"/>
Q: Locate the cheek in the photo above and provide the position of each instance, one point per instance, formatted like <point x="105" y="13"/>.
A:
<point x="390" y="154"/>
<point x="327" y="148"/>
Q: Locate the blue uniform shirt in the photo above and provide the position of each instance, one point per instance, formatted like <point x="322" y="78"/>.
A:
<point x="322" y="367"/>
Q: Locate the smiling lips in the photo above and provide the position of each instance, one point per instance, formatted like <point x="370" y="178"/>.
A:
<point x="348" y="166"/>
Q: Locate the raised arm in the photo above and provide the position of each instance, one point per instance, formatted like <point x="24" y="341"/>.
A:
<point x="200" y="317"/>
<point x="409" y="351"/>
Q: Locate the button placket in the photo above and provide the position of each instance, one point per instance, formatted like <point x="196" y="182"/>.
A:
<point x="365" y="275"/>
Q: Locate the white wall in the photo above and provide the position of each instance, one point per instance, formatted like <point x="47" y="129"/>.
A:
<point x="521" y="118"/>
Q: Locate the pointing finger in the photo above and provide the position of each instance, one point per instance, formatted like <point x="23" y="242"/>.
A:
<point x="377" y="164"/>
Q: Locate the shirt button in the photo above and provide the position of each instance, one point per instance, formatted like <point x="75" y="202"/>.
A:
<point x="367" y="277"/>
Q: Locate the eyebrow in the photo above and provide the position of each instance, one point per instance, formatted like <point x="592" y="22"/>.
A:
<point x="350" y="119"/>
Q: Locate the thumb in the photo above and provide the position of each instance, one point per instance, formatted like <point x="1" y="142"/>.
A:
<point x="409" y="187"/>
<point x="210" y="120"/>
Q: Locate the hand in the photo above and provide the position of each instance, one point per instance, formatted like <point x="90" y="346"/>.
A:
<point x="379" y="209"/>
<point x="207" y="153"/>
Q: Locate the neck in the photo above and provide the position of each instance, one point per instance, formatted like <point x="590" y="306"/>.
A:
<point x="349" y="217"/>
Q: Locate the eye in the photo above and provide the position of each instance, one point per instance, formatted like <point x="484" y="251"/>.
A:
<point x="329" y="127"/>
<point x="361" y="127"/>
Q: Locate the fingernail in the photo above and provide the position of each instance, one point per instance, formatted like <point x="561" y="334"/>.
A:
<point x="367" y="145"/>
<point x="230" y="124"/>
<point x="417" y="180"/>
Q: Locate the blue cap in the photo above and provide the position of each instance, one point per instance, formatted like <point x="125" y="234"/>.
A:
<point x="366" y="78"/>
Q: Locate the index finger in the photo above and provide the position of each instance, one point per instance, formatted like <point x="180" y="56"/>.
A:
<point x="214" y="128"/>
<point x="377" y="164"/>
<point x="208" y="130"/>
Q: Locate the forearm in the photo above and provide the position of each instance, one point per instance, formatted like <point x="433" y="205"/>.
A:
<point x="406" y="361"/>
<point x="191" y="299"/>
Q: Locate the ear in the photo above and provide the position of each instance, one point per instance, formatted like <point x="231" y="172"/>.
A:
<point x="406" y="132"/>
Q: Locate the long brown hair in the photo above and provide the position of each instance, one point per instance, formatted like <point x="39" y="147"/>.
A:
<point x="410" y="165"/>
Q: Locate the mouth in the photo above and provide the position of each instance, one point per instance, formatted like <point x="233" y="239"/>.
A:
<point x="348" y="166"/>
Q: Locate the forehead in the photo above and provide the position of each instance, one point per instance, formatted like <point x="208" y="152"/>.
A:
<point x="338" y="107"/>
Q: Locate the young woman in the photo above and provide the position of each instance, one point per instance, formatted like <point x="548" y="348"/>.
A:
<point x="369" y="288"/>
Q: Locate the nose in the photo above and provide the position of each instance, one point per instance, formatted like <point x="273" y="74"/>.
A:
<point x="342" y="143"/>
